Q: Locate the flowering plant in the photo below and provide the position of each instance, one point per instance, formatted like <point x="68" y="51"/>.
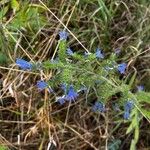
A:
<point x="92" y="73"/>
<point x="91" y="70"/>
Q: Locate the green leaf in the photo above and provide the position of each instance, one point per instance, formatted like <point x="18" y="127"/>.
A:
<point x="3" y="12"/>
<point x="132" y="79"/>
<point x="133" y="145"/>
<point x="136" y="134"/>
<point x="104" y="10"/>
<point x="62" y="50"/>
<point x="130" y="128"/>
<point x="66" y="75"/>
<point x="143" y="96"/>
<point x="3" y="58"/>
<point x="14" y="5"/>
<point x="2" y="147"/>
<point x="133" y="124"/>
<point x="52" y="65"/>
<point x="27" y="17"/>
<point x="146" y="113"/>
<point x="2" y="2"/>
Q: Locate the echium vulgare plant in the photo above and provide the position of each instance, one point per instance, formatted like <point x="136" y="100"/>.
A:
<point x="94" y="73"/>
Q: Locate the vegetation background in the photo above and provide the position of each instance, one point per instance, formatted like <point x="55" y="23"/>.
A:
<point x="29" y="29"/>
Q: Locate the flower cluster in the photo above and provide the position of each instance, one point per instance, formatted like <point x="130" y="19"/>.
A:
<point x="127" y="109"/>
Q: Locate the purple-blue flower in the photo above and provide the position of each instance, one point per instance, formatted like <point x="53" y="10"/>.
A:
<point x="23" y="64"/>
<point x="99" y="53"/>
<point x="72" y="94"/>
<point x="41" y="85"/>
<point x="126" y="115"/>
<point x="61" y="100"/>
<point x="128" y="105"/>
<point x="127" y="109"/>
<point x="140" y="88"/>
<point x="122" y="68"/>
<point x="98" y="106"/>
<point x="63" y="35"/>
<point x="69" y="51"/>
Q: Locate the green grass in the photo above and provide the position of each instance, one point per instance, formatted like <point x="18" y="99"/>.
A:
<point x="30" y="30"/>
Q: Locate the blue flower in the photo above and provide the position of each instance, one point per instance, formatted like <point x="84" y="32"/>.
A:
<point x="71" y="95"/>
<point x="42" y="85"/>
<point x="140" y="88"/>
<point x="99" y="54"/>
<point x="122" y="68"/>
<point x="126" y="115"/>
<point x="69" y="51"/>
<point x="128" y="105"/>
<point x="127" y="109"/>
<point x="61" y="100"/>
<point x="98" y="106"/>
<point x="23" y="64"/>
<point x="63" y="35"/>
